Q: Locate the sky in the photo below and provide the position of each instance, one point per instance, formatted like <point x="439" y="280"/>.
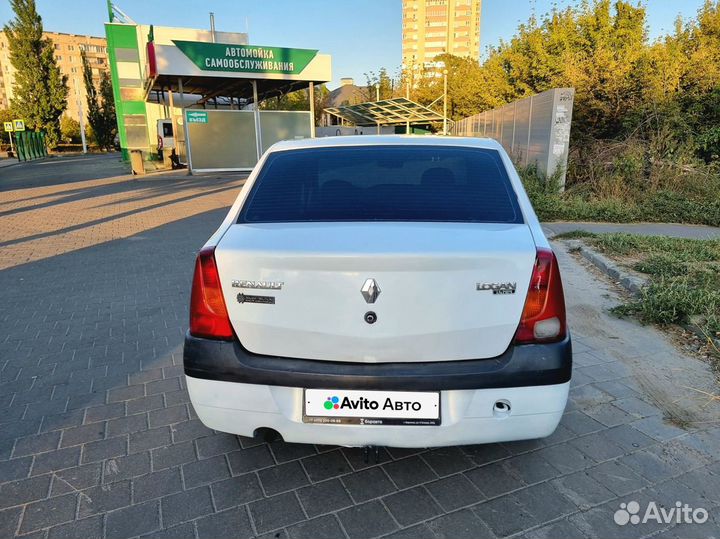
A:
<point x="362" y="36"/>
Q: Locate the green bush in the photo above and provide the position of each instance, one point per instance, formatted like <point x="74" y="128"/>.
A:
<point x="679" y="299"/>
<point x="69" y="130"/>
<point x="638" y="202"/>
<point x="683" y="277"/>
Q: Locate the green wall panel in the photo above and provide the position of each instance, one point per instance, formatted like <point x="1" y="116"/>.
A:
<point x="122" y="36"/>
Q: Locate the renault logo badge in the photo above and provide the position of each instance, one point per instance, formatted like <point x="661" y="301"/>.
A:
<point x="370" y="290"/>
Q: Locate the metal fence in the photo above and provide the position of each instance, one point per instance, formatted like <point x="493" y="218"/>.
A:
<point x="534" y="130"/>
<point x="30" y="145"/>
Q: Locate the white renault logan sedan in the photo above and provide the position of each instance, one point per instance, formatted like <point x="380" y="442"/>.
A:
<point x="380" y="290"/>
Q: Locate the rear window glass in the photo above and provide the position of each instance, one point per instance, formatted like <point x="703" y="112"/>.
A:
<point x="383" y="183"/>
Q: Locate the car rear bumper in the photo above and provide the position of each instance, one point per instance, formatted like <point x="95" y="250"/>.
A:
<point x="235" y="391"/>
<point x="467" y="416"/>
<point x="519" y="366"/>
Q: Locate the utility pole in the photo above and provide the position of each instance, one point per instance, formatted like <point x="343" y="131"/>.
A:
<point x="81" y="115"/>
<point x="311" y="98"/>
<point x="445" y="74"/>
<point x="377" y="98"/>
<point x="407" y="96"/>
<point x="212" y="26"/>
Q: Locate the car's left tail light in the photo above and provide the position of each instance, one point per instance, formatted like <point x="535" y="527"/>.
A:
<point x="208" y="314"/>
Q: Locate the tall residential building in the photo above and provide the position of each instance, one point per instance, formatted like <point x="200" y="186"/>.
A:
<point x="67" y="53"/>
<point x="432" y="27"/>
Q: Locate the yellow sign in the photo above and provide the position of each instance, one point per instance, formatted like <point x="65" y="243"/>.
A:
<point x="8" y="127"/>
<point x="19" y="125"/>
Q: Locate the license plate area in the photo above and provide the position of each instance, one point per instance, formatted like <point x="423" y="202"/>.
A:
<point x="358" y="407"/>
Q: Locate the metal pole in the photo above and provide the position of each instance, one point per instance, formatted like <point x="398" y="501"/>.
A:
<point x="212" y="26"/>
<point x="186" y="131"/>
<point x="81" y="115"/>
<point x="527" y="147"/>
<point x="256" y="111"/>
<point x="512" y="143"/>
<point x="12" y="150"/>
<point x="311" y="92"/>
<point x="445" y="74"/>
<point x="377" y="92"/>
<point x="407" y="96"/>
<point x="173" y="118"/>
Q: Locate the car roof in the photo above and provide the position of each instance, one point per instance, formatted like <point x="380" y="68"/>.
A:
<point x="384" y="140"/>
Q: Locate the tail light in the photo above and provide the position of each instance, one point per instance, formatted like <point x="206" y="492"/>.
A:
<point x="208" y="314"/>
<point x="543" y="318"/>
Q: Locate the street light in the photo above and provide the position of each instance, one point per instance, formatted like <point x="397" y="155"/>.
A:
<point x="377" y="98"/>
<point x="445" y="74"/>
<point x="407" y="96"/>
<point x="81" y="115"/>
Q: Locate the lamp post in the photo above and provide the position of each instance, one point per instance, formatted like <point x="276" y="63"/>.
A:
<point x="445" y="74"/>
<point x="407" y="96"/>
<point x="377" y="98"/>
<point x="81" y="115"/>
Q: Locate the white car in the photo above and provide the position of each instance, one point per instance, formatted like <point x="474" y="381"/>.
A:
<point x="380" y="291"/>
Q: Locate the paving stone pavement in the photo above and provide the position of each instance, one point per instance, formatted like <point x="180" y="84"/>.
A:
<point x="98" y="439"/>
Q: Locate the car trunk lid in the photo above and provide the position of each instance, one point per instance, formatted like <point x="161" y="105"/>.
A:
<point x="447" y="291"/>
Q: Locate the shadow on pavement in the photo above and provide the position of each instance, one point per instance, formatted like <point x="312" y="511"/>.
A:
<point x="115" y="216"/>
<point x="61" y="170"/>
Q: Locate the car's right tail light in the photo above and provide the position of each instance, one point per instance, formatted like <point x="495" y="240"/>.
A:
<point x="543" y="318"/>
<point x="208" y="315"/>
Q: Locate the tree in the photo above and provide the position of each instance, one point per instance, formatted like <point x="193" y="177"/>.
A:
<point x="665" y="94"/>
<point x="69" y="130"/>
<point x="299" y="100"/>
<point x="94" y="115"/>
<point x="100" y="106"/>
<point x="40" y="89"/>
<point x="6" y="115"/>
<point x="107" y="113"/>
<point x="386" y="83"/>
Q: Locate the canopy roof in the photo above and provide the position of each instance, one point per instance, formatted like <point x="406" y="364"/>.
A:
<point x="212" y="87"/>
<point x="387" y="112"/>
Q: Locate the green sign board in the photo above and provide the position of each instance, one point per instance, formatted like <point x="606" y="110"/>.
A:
<point x="197" y="117"/>
<point x="246" y="58"/>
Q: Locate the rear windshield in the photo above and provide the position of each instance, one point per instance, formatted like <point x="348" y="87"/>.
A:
<point x="383" y="183"/>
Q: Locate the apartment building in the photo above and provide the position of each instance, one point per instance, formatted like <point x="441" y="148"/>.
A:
<point x="432" y="27"/>
<point x="68" y="48"/>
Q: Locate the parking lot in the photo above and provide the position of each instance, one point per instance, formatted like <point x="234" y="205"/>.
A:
<point x="98" y="439"/>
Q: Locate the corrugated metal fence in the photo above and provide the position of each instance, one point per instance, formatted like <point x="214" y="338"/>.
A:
<point x="532" y="130"/>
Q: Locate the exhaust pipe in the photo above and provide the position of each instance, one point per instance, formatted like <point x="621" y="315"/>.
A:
<point x="501" y="408"/>
<point x="267" y="435"/>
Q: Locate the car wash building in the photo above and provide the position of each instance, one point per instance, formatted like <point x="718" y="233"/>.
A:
<point x="195" y="94"/>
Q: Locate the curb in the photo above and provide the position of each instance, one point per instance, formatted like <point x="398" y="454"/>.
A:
<point x="16" y="162"/>
<point x="631" y="283"/>
<point x="3" y="165"/>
